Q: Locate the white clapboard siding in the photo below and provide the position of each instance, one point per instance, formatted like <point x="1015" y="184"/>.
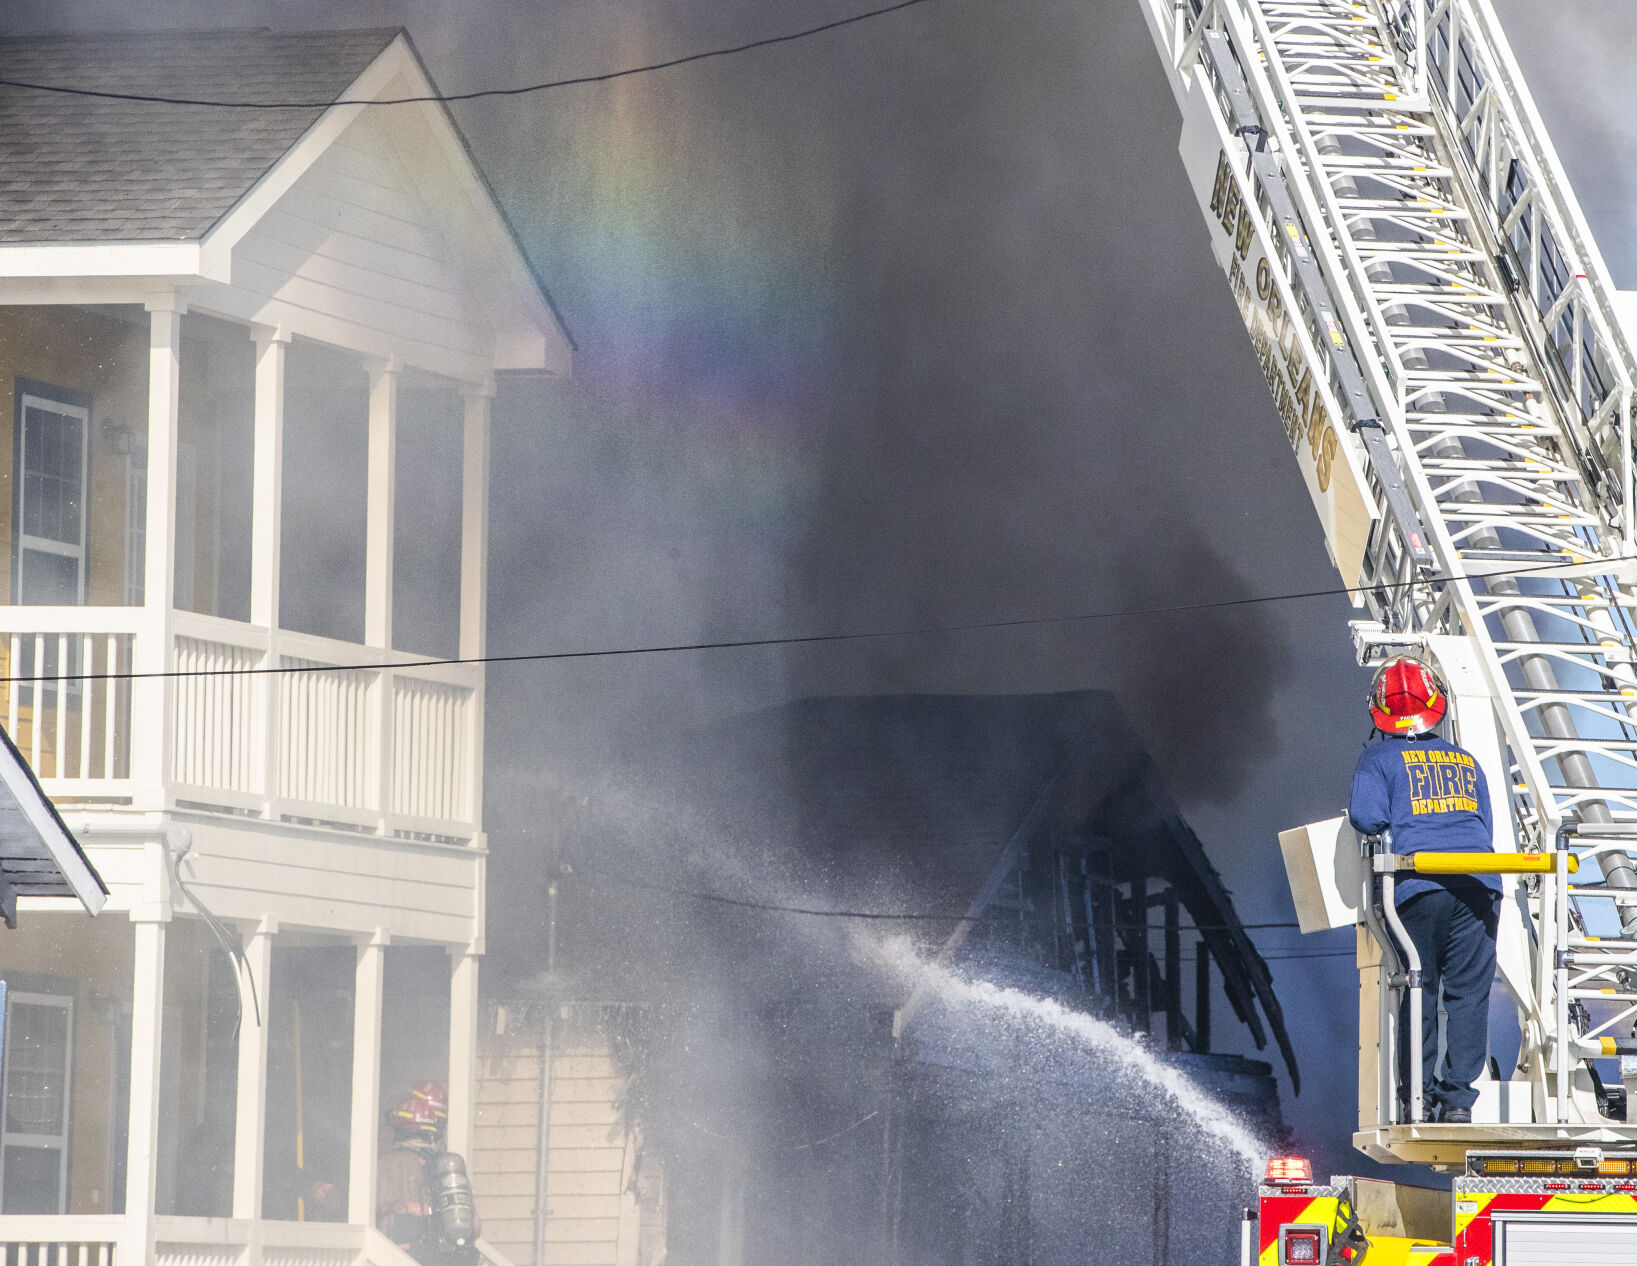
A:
<point x="242" y="869"/>
<point x="592" y="1216"/>
<point x="353" y="239"/>
<point x="506" y="1141"/>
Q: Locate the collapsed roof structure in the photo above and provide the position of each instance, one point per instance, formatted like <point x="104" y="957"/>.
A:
<point x="1037" y="823"/>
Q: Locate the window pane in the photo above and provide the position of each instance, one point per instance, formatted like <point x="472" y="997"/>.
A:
<point x="48" y="579"/>
<point x="53" y="470"/>
<point x="36" y="1068"/>
<point x="33" y="1178"/>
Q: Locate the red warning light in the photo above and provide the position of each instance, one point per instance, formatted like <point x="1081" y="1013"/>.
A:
<point x="1301" y="1248"/>
<point x="1289" y="1169"/>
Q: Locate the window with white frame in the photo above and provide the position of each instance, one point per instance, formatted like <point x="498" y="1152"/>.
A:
<point x="34" y="1106"/>
<point x="52" y="466"/>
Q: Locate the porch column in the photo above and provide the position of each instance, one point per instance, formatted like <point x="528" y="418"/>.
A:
<point x="380" y="520"/>
<point x="147" y="1012"/>
<point x="474" y="574"/>
<point x="267" y="474"/>
<point x="266" y="528"/>
<point x="366" y="1079"/>
<point x="153" y="699"/>
<point x="381" y="503"/>
<point x="250" y="1128"/>
<point x="462" y="1051"/>
<point x="474" y="521"/>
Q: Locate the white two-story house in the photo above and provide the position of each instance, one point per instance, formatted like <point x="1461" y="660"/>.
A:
<point x="247" y="360"/>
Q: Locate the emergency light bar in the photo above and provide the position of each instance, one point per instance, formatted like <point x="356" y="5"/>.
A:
<point x="1288" y="1169"/>
<point x="1533" y="1165"/>
<point x="1476" y="863"/>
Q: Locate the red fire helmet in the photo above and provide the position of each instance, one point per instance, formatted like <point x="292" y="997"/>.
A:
<point x="1407" y="697"/>
<point x="424" y="1111"/>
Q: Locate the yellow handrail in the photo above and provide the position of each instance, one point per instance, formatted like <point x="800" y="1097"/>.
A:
<point x="1485" y="863"/>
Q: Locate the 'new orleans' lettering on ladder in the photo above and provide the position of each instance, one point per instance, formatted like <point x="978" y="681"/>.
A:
<point x="1296" y="373"/>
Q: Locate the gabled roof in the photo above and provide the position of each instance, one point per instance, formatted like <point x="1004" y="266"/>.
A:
<point x="88" y="169"/>
<point x="118" y="194"/>
<point x="39" y="857"/>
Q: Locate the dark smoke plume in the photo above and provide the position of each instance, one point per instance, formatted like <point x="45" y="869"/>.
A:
<point x="1200" y="684"/>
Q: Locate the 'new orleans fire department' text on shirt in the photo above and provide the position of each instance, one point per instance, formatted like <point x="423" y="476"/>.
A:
<point x="1429" y="796"/>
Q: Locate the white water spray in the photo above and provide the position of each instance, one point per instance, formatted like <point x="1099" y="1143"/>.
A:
<point x="1213" y="1119"/>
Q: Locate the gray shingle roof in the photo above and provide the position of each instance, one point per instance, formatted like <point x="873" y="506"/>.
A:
<point x="83" y="169"/>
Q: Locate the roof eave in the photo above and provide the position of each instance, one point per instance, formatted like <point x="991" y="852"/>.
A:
<point x="132" y="260"/>
<point x="21" y="785"/>
<point x="504" y="221"/>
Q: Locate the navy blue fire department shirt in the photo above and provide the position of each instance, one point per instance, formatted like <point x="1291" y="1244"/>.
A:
<point x="1429" y="796"/>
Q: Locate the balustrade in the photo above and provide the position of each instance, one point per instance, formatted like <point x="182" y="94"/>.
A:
<point x="41" y="1240"/>
<point x="65" y="704"/>
<point x="103" y="1240"/>
<point x="346" y="735"/>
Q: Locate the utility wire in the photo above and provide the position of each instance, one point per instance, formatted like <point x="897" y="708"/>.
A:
<point x="790" y="1147"/>
<point x="722" y="899"/>
<point x="444" y="98"/>
<point x="718" y="898"/>
<point x="809" y="639"/>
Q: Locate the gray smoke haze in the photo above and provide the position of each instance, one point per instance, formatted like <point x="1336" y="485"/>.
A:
<point x="909" y="324"/>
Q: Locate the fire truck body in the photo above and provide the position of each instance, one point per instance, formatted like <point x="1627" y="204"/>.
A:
<point x="1309" y="1225"/>
<point x="1542" y="1208"/>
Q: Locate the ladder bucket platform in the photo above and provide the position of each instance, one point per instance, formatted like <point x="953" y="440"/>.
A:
<point x="1446" y="1146"/>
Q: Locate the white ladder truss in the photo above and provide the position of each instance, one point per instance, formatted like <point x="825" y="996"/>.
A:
<point x="1405" y="184"/>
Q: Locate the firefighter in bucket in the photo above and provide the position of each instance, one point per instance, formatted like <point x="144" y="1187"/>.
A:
<point x="1420" y="791"/>
<point x="423" y="1200"/>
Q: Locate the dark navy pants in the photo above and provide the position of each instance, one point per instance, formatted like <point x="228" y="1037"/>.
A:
<point x="1454" y="932"/>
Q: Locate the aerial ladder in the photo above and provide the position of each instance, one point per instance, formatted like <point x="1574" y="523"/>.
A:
<point x="1446" y="355"/>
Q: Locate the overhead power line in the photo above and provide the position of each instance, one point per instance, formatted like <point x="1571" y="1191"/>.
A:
<point x="896" y="916"/>
<point x="718" y="898"/>
<point x="905" y="916"/>
<point x="809" y="639"/>
<point x="742" y="903"/>
<point x="444" y="98"/>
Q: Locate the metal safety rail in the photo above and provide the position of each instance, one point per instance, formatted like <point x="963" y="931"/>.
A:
<point x="1401" y="1002"/>
<point x="1387" y="158"/>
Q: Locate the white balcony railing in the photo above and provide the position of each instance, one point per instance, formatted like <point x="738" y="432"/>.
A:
<point x="348" y="735"/>
<point x="41" y="1240"/>
<point x="65" y="704"/>
<point x="106" y="1240"/>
